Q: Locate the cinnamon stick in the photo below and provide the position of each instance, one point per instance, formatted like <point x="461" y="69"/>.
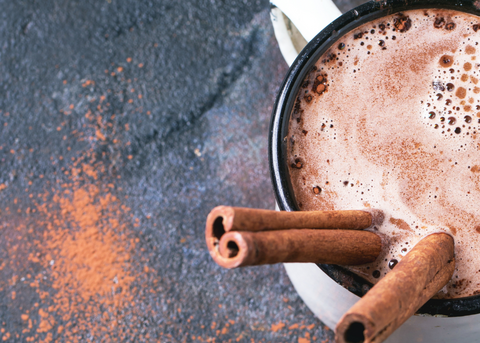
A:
<point x="224" y="219"/>
<point x="347" y="247"/>
<point x="415" y="279"/>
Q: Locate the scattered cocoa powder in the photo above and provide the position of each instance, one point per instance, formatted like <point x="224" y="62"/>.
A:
<point x="72" y="250"/>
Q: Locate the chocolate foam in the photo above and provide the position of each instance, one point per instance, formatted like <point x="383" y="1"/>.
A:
<point x="389" y="118"/>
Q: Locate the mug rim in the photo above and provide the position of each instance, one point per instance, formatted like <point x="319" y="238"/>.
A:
<point x="282" y="109"/>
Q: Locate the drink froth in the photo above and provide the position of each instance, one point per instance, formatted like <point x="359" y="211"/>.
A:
<point x="389" y="118"/>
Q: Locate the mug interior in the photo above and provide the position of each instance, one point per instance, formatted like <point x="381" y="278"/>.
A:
<point x="281" y="116"/>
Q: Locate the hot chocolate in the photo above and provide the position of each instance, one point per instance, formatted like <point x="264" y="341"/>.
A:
<point x="389" y="118"/>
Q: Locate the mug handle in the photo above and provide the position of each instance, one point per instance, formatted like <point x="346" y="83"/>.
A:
<point x="297" y="22"/>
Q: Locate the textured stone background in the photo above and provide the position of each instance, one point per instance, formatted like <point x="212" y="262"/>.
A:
<point x="184" y="91"/>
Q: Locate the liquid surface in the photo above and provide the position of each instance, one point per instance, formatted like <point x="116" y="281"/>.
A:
<point x="389" y="118"/>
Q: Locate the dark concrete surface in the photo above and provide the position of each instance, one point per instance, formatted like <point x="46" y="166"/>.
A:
<point x="122" y="124"/>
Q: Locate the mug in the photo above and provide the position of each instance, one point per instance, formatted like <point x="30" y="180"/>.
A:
<point x="328" y="290"/>
<point x="295" y="23"/>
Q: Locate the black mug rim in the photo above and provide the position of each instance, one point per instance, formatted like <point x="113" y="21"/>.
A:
<point x="279" y="128"/>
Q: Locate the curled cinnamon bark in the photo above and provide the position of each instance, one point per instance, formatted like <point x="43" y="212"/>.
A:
<point x="223" y="219"/>
<point x="414" y="280"/>
<point x="346" y="247"/>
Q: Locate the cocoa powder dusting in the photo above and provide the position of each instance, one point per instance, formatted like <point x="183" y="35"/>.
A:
<point x="89" y="254"/>
<point x="87" y="281"/>
<point x="401" y="224"/>
<point x="73" y="251"/>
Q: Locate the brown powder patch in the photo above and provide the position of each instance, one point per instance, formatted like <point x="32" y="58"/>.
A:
<point x="277" y="327"/>
<point x="470" y="50"/>
<point x="87" y="253"/>
<point x="90" y="256"/>
<point x="323" y="201"/>
<point x="461" y="92"/>
<point x="475" y="169"/>
<point x="76" y="241"/>
<point x="401" y="224"/>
